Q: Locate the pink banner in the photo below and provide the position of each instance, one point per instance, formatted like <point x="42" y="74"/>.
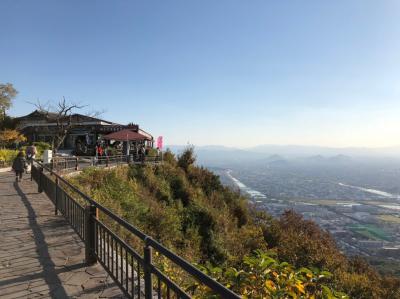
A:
<point x="159" y="142"/>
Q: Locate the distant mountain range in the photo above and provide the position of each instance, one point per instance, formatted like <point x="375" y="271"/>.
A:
<point x="279" y="154"/>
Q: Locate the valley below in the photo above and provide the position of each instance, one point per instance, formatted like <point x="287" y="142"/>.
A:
<point x="356" y="202"/>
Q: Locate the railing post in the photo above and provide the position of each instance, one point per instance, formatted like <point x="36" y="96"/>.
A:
<point x="90" y="237"/>
<point x="56" y="199"/>
<point x="76" y="164"/>
<point x="40" y="189"/>
<point x="107" y="161"/>
<point x="148" y="282"/>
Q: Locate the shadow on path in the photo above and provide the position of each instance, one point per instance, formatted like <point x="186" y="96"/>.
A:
<point x="49" y="271"/>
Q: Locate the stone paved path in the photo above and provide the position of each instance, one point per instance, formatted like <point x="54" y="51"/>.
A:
<point x="40" y="255"/>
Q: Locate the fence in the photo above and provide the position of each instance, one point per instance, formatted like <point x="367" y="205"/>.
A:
<point x="60" y="164"/>
<point x="133" y="271"/>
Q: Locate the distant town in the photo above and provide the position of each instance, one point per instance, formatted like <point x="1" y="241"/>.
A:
<point x="364" y="221"/>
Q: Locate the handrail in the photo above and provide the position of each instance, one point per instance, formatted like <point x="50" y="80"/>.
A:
<point x="63" y="163"/>
<point x="149" y="241"/>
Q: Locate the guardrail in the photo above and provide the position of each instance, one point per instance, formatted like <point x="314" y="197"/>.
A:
<point x="60" y="164"/>
<point x="133" y="271"/>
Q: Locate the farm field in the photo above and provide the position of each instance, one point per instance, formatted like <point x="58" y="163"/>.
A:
<point x="369" y="231"/>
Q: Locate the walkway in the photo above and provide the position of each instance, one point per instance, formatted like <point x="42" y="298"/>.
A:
<point x="40" y="255"/>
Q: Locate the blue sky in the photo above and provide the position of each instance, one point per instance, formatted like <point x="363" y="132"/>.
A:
<point x="228" y="72"/>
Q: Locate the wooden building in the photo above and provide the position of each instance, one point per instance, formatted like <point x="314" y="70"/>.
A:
<point x="83" y="131"/>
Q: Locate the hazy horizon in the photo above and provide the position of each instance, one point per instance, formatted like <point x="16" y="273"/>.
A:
<point x="283" y="145"/>
<point x="216" y="154"/>
<point x="215" y="72"/>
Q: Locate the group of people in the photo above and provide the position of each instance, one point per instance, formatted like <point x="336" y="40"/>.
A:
<point x="138" y="151"/>
<point x="102" y="149"/>
<point x="23" y="161"/>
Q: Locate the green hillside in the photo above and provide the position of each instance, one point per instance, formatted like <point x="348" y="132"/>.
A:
<point x="187" y="209"/>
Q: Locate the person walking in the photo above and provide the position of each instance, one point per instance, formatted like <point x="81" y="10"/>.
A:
<point x="19" y="165"/>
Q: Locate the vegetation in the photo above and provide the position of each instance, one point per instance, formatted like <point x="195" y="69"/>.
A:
<point x="390" y="218"/>
<point x="7" y="94"/>
<point x="61" y="113"/>
<point x="369" y="231"/>
<point x="10" y="137"/>
<point x="7" y="156"/>
<point x="186" y="208"/>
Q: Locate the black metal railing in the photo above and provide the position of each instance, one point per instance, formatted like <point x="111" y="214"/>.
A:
<point x="132" y="269"/>
<point x="63" y="164"/>
<point x="63" y="202"/>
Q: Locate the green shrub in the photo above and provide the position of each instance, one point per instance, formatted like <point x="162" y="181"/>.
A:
<point x="261" y="275"/>
<point x="41" y="147"/>
<point x="187" y="158"/>
<point x="7" y="155"/>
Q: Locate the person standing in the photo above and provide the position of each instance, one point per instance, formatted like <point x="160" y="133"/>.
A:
<point x="30" y="153"/>
<point x="100" y="153"/>
<point x="19" y="165"/>
<point x="142" y="153"/>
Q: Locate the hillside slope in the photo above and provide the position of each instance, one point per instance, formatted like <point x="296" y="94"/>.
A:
<point x="187" y="209"/>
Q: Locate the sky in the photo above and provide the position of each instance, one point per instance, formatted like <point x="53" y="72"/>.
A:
<point x="227" y="72"/>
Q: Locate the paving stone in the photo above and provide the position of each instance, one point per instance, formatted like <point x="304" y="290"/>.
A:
<point x="41" y="256"/>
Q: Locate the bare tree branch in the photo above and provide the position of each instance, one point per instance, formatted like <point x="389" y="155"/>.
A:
<point x="61" y="114"/>
<point x="95" y="113"/>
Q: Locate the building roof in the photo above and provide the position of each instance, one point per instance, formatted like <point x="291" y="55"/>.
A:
<point x="51" y="116"/>
<point x="125" y="135"/>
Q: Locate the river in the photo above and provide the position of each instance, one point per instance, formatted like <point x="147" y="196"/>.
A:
<point x="256" y="195"/>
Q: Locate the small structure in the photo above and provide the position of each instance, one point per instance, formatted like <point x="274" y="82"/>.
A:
<point x="132" y="140"/>
<point x="82" y="135"/>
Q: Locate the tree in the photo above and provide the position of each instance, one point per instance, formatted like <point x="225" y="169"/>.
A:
<point x="8" y="137"/>
<point x="187" y="158"/>
<point x="7" y="93"/>
<point x="303" y="243"/>
<point x="62" y="115"/>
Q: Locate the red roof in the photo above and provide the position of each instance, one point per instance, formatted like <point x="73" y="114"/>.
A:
<point x="125" y="135"/>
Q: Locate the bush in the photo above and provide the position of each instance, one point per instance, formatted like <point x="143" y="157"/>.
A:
<point x="9" y="138"/>
<point x="261" y="275"/>
<point x="187" y="158"/>
<point x="7" y="156"/>
<point x="41" y="147"/>
<point x="187" y="208"/>
<point x="302" y="243"/>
